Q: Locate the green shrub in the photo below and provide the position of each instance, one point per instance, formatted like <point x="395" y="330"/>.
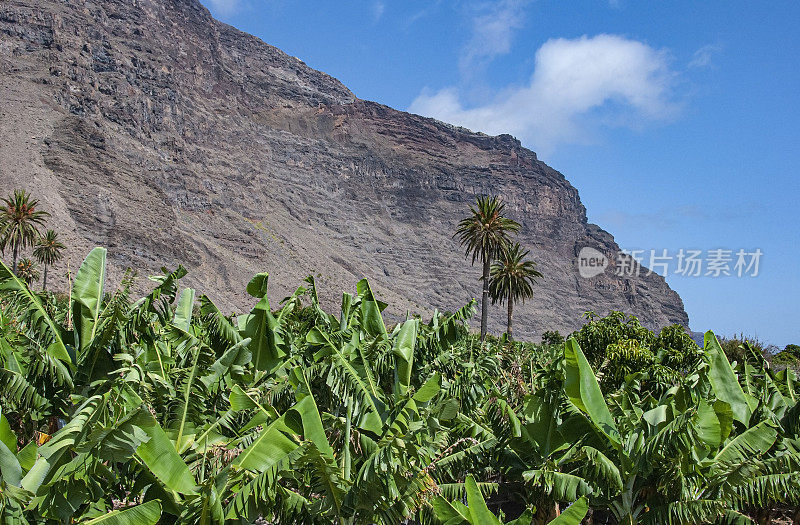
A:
<point x="735" y="349"/>
<point x="595" y="336"/>
<point x="785" y="358"/>
<point x="619" y="345"/>
<point x="789" y="357"/>
<point x="552" y="338"/>
<point x="676" y="347"/>
<point x="626" y="357"/>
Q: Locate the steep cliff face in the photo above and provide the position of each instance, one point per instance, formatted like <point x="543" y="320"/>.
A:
<point x="150" y="128"/>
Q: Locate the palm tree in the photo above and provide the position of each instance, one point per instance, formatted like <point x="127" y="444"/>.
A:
<point x="19" y="221"/>
<point x="47" y="252"/>
<point x="512" y="279"/>
<point x="485" y="234"/>
<point x="26" y="270"/>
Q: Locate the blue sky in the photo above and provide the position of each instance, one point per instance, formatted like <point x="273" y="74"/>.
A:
<point x="678" y="122"/>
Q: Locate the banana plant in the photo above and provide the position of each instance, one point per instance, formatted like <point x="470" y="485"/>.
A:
<point x="679" y="461"/>
<point x="167" y="410"/>
<point x="476" y="512"/>
<point x="389" y="427"/>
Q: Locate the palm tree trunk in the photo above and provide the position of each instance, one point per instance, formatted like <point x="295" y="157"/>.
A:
<point x="485" y="299"/>
<point x="14" y="267"/>
<point x="44" y="279"/>
<point x="510" y="331"/>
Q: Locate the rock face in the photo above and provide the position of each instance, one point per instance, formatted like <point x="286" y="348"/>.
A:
<point x="149" y="127"/>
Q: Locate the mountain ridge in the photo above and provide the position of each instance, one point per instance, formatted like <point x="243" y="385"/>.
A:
<point x="151" y="128"/>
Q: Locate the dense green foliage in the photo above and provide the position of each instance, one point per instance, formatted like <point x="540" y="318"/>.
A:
<point x="789" y="356"/>
<point x="743" y="348"/>
<point x="618" y="345"/>
<point x="169" y="411"/>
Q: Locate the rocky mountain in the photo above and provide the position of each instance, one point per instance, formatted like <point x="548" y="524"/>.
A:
<point x="149" y="127"/>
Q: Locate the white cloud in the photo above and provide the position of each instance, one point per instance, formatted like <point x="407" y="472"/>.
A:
<point x="378" y="9"/>
<point x="224" y="7"/>
<point x="493" y="28"/>
<point x="576" y="85"/>
<point x="430" y="8"/>
<point x="702" y="57"/>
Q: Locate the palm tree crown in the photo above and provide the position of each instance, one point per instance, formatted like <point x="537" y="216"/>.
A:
<point x="511" y="276"/>
<point x="26" y="270"/>
<point x="511" y="279"/>
<point x="19" y="222"/>
<point x="485" y="234"/>
<point x="48" y="251"/>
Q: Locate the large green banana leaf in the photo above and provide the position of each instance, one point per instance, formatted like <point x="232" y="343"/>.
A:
<point x="359" y="377"/>
<point x="271" y="446"/>
<point x="9" y="466"/>
<point x="144" y="514"/>
<point x="218" y="321"/>
<point x="262" y="328"/>
<point x="236" y="356"/>
<point x="159" y="455"/>
<point x="573" y="514"/>
<point x="713" y="423"/>
<point x="560" y="485"/>
<point x="752" y="442"/>
<point x="36" y="475"/>
<point x="723" y="379"/>
<point x="403" y="350"/>
<point x="87" y="297"/>
<point x="476" y="512"/>
<point x="306" y="413"/>
<point x="6" y="434"/>
<point x="183" y="310"/>
<point x="35" y="314"/>
<point x="371" y="318"/>
<point x="583" y="390"/>
<point x="27" y="456"/>
<point x="450" y="513"/>
<point x="541" y="429"/>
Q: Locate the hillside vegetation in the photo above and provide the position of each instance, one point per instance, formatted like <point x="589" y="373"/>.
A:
<point x="166" y="410"/>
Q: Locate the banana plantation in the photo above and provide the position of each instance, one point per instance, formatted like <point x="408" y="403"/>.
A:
<point x="164" y="409"/>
